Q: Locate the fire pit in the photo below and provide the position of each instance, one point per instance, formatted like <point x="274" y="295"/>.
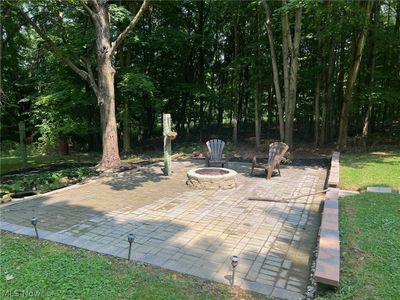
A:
<point x="211" y="178"/>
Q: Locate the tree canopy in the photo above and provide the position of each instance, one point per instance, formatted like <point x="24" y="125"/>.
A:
<point x="324" y="70"/>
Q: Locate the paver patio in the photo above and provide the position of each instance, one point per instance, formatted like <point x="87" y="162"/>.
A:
<point x="187" y="230"/>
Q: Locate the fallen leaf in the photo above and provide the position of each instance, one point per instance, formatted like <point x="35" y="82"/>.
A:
<point x="9" y="277"/>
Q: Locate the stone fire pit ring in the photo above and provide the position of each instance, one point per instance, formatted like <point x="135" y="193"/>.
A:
<point x="212" y="178"/>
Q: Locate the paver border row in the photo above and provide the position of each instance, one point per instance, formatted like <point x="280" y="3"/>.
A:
<point x="121" y="252"/>
<point x="327" y="269"/>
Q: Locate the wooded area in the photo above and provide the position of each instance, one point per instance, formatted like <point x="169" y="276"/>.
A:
<point x="99" y="74"/>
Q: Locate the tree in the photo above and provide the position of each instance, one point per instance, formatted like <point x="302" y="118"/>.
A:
<point x="103" y="87"/>
<point x="210" y="64"/>
<point x="290" y="52"/>
<point x="275" y="71"/>
<point x="290" y="45"/>
<point x="357" y="47"/>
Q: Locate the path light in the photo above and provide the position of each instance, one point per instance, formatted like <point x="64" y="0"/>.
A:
<point x="234" y="262"/>
<point x="131" y="239"/>
<point x="34" y="221"/>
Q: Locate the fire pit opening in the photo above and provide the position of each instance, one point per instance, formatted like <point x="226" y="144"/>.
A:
<point x="211" y="171"/>
<point x="212" y="178"/>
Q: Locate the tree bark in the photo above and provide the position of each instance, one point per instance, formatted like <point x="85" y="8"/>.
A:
<point x="275" y="71"/>
<point x="358" y="44"/>
<point x="257" y="114"/>
<point x="201" y="62"/>
<point x="236" y="85"/>
<point x="316" y="110"/>
<point x="367" y="117"/>
<point x="290" y="66"/>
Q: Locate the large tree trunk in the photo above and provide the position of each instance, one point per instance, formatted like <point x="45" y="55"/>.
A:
<point x="358" y="44"/>
<point x="106" y="96"/>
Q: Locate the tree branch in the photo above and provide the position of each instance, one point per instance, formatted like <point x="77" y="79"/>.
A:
<point x="297" y="31"/>
<point x="54" y="47"/>
<point x="131" y="25"/>
<point x="88" y="10"/>
<point x="91" y="80"/>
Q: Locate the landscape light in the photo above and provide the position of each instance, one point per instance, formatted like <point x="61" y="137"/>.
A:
<point x="234" y="262"/>
<point x="131" y="239"/>
<point x="34" y="221"/>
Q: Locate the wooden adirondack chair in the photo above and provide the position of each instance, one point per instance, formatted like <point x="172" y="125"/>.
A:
<point x="276" y="153"/>
<point x="215" y="148"/>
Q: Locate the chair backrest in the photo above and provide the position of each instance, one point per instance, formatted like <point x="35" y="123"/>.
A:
<point x="277" y="148"/>
<point x="215" y="147"/>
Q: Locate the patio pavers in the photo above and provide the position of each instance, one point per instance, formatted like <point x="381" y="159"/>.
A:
<point x="190" y="231"/>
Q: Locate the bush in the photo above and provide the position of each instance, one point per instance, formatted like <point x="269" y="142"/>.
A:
<point x="8" y="146"/>
<point x="46" y="181"/>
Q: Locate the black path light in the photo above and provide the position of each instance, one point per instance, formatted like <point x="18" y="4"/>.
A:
<point x="131" y="239"/>
<point x="34" y="221"/>
<point x="234" y="262"/>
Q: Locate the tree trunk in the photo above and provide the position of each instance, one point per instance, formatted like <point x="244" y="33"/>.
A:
<point x="275" y="71"/>
<point x="358" y="44"/>
<point x="125" y="59"/>
<point x="236" y="85"/>
<point x="201" y="61"/>
<point x="367" y="117"/>
<point x="316" y="110"/>
<point x="126" y="132"/>
<point x="106" y="96"/>
<point x="257" y="114"/>
<point x="290" y="66"/>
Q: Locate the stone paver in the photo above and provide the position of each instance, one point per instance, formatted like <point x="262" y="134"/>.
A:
<point x="345" y="193"/>
<point x="379" y="189"/>
<point x="191" y="231"/>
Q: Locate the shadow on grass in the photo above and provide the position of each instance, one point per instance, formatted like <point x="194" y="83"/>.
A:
<point x="184" y="240"/>
<point x="362" y="160"/>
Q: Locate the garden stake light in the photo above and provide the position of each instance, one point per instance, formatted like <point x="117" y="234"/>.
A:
<point x="131" y="239"/>
<point x="234" y="262"/>
<point x="34" y="221"/>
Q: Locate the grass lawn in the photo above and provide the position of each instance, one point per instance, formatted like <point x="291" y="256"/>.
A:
<point x="11" y="163"/>
<point x="358" y="171"/>
<point x="370" y="245"/>
<point x="54" y="271"/>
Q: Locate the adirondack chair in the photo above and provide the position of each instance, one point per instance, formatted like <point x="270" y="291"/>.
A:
<point x="276" y="153"/>
<point x="215" y="148"/>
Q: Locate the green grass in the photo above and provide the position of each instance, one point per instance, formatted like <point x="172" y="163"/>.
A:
<point x="370" y="245"/>
<point x="358" y="171"/>
<point x="60" y="272"/>
<point x="12" y="163"/>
